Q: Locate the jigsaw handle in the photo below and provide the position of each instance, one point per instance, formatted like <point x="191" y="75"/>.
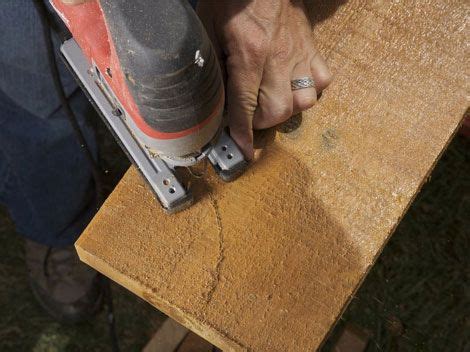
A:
<point x="168" y="63"/>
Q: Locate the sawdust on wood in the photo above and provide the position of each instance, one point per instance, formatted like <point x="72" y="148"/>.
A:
<point x="269" y="262"/>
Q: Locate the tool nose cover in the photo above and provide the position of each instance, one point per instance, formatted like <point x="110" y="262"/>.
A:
<point x="167" y="60"/>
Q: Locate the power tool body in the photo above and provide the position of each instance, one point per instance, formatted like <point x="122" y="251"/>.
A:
<point x="149" y="68"/>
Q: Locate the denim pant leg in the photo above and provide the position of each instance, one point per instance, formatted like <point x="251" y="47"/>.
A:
<point x="45" y="180"/>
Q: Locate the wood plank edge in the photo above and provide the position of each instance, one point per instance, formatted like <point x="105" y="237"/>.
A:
<point x="207" y="331"/>
<point x="392" y="230"/>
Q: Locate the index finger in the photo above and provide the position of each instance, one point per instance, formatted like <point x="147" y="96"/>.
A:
<point x="243" y="82"/>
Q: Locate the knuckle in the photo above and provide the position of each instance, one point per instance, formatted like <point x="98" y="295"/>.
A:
<point x="243" y="101"/>
<point x="247" y="99"/>
<point x="257" y="49"/>
<point x="325" y="80"/>
<point x="247" y="48"/>
<point x="280" y="112"/>
<point x="304" y="101"/>
<point x="323" y="77"/>
<point x="285" y="52"/>
<point x="281" y="55"/>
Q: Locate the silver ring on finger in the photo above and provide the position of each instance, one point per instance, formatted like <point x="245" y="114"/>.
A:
<point x="302" y="83"/>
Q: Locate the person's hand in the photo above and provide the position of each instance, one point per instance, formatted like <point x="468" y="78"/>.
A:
<point x="263" y="45"/>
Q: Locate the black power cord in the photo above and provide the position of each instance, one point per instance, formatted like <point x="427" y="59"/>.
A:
<point x="47" y="24"/>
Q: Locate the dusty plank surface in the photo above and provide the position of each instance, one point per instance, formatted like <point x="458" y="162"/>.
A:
<point x="269" y="262"/>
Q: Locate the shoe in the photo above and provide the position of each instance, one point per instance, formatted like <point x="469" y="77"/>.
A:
<point x="69" y="290"/>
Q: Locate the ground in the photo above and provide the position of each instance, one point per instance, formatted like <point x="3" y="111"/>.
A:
<point x="416" y="298"/>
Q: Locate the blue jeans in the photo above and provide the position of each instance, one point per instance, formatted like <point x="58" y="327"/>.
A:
<point x="45" y="180"/>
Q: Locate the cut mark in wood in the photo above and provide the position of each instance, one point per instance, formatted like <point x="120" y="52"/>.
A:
<point x="220" y="257"/>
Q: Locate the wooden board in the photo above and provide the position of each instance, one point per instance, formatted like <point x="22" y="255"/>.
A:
<point x="269" y="262"/>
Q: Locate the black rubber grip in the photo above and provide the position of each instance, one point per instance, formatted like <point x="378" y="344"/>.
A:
<point x="156" y="42"/>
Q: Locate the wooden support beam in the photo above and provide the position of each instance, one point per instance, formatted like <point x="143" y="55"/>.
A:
<point x="269" y="262"/>
<point x="168" y="338"/>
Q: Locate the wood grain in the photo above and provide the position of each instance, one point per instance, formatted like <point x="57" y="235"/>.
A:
<point x="269" y="262"/>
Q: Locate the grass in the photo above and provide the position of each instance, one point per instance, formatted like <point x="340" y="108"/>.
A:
<point x="416" y="298"/>
<point x="25" y="327"/>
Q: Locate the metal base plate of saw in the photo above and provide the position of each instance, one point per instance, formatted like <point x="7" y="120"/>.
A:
<point x="223" y="153"/>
